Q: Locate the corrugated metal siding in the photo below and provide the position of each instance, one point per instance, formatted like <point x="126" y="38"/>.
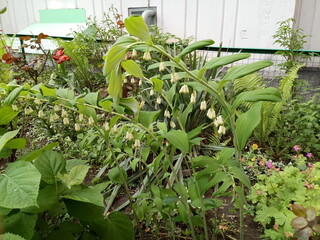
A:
<point x="236" y="23"/>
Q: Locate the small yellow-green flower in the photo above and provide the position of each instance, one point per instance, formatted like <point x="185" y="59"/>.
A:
<point x="253" y="159"/>
<point x="254" y="146"/>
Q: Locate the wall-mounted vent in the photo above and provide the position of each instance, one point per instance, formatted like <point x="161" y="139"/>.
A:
<point x="149" y="14"/>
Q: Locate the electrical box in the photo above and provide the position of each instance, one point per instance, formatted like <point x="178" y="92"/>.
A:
<point x="149" y="14"/>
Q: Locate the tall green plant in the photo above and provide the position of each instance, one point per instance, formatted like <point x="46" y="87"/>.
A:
<point x="240" y="126"/>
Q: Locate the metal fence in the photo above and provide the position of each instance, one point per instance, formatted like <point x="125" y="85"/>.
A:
<point x="310" y="73"/>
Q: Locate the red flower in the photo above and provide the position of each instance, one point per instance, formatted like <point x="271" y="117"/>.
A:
<point x="59" y="56"/>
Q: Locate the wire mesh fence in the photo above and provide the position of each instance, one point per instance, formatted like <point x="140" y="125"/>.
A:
<point x="310" y="73"/>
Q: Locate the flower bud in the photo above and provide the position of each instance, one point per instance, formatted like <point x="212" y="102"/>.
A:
<point x="151" y="92"/>
<point x="64" y="113"/>
<point x="28" y="110"/>
<point x="175" y="77"/>
<point x="81" y="117"/>
<point x="134" y="53"/>
<point x="90" y="121"/>
<point x="193" y="97"/>
<point x="41" y="114"/>
<point x="222" y="130"/>
<point x="66" y="121"/>
<point x="37" y="101"/>
<point x="140" y="82"/>
<point x="147" y="56"/>
<point x="158" y="101"/>
<point x="218" y="121"/>
<point x="115" y="129"/>
<point x="128" y="136"/>
<point x="137" y="144"/>
<point x="142" y="104"/>
<point x="77" y="127"/>
<point x="211" y="114"/>
<point x="106" y="126"/>
<point x="162" y="67"/>
<point x="56" y="108"/>
<point x="15" y="108"/>
<point x="203" y="105"/>
<point x="184" y="89"/>
<point x="172" y="124"/>
<point x="132" y="80"/>
<point x="125" y="80"/>
<point x="167" y="113"/>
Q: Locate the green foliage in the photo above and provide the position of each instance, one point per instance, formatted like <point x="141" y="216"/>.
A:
<point x="276" y="190"/>
<point x="292" y="40"/>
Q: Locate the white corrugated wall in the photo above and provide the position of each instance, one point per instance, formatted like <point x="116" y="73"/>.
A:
<point x="236" y="23"/>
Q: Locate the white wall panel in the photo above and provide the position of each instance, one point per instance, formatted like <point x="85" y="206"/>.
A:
<point x="211" y="20"/>
<point x="238" y="23"/>
<point x="173" y="17"/>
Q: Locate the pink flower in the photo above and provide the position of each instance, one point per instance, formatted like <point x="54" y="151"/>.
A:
<point x="296" y="148"/>
<point x="309" y="155"/>
<point x="269" y="164"/>
<point x="310" y="165"/>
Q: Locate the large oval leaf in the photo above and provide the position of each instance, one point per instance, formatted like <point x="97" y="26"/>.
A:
<point x="246" y="123"/>
<point x="221" y="61"/>
<point x="179" y="139"/>
<point x="119" y="227"/>
<point x="19" y="186"/>
<point x="132" y="68"/>
<point x="49" y="164"/>
<point x="194" y="46"/>
<point x="137" y="27"/>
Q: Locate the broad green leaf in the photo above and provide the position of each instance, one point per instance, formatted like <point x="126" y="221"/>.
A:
<point x="157" y="84"/>
<point x="113" y="58"/>
<point x="75" y="176"/>
<point x="30" y="156"/>
<point x="19" y="185"/>
<point x="116" y="176"/>
<point x="194" y="46"/>
<point x="17" y="143"/>
<point x="83" y="210"/>
<point x="147" y="117"/>
<point x="48" y="91"/>
<point x="179" y="139"/>
<point x="222" y="61"/>
<point x="184" y="115"/>
<point x="246" y="123"/>
<point x="47" y="199"/>
<point x="65" y="93"/>
<point x="130" y="103"/>
<point x="74" y="162"/>
<point x="49" y="164"/>
<point x="170" y="94"/>
<point x="137" y="27"/>
<point x="13" y="95"/>
<point x="106" y="104"/>
<point x="7" y="137"/>
<point x="21" y="224"/>
<point x="182" y="212"/>
<point x="92" y="98"/>
<point x="115" y="83"/>
<point x="132" y="68"/>
<point x="118" y="227"/>
<point x="85" y="195"/>
<point x="7" y="114"/>
<point x="10" y="236"/>
<point x="236" y="72"/>
<point x="240" y="175"/>
<point x="195" y="132"/>
<point x="267" y="94"/>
